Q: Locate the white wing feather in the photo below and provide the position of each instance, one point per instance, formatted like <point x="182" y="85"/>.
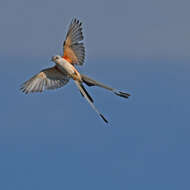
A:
<point x="50" y="78"/>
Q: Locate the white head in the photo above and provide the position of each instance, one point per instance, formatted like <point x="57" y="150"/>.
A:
<point x="56" y="58"/>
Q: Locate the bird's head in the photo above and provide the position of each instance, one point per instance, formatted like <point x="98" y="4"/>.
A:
<point x="56" y="58"/>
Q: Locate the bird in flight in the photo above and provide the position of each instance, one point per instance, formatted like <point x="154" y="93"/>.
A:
<point x="64" y="69"/>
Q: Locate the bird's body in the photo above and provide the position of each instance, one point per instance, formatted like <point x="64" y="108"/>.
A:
<point x="64" y="69"/>
<point x="65" y="66"/>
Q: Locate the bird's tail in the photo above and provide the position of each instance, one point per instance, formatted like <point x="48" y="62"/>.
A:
<point x="88" y="98"/>
<point x="91" y="82"/>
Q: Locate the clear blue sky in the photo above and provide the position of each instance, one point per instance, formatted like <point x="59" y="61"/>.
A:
<point x="54" y="140"/>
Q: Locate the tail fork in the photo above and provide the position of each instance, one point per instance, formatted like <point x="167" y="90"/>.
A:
<point x="89" y="99"/>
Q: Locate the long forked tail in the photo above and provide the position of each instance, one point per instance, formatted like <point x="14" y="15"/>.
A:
<point x="88" y="98"/>
<point x="91" y="82"/>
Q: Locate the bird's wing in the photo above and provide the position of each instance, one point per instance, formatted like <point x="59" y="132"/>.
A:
<point x="73" y="49"/>
<point x="50" y="78"/>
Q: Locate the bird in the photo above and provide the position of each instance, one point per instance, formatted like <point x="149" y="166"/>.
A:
<point x="65" y="69"/>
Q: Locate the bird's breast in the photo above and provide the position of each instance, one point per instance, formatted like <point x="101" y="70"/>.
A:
<point x="67" y="67"/>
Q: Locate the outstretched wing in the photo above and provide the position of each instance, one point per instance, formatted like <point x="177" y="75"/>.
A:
<point x="73" y="49"/>
<point x="50" y="78"/>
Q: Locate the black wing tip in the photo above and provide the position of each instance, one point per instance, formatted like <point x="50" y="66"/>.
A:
<point x="77" y="21"/>
<point x="122" y="94"/>
<point x="106" y="121"/>
<point x="23" y="89"/>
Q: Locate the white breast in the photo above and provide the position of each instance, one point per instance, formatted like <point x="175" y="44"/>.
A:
<point x="65" y="65"/>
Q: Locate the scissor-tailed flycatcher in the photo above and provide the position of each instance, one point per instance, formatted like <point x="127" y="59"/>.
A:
<point x="64" y="70"/>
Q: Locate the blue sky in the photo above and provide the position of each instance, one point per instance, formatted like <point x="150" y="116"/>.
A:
<point x="54" y="140"/>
